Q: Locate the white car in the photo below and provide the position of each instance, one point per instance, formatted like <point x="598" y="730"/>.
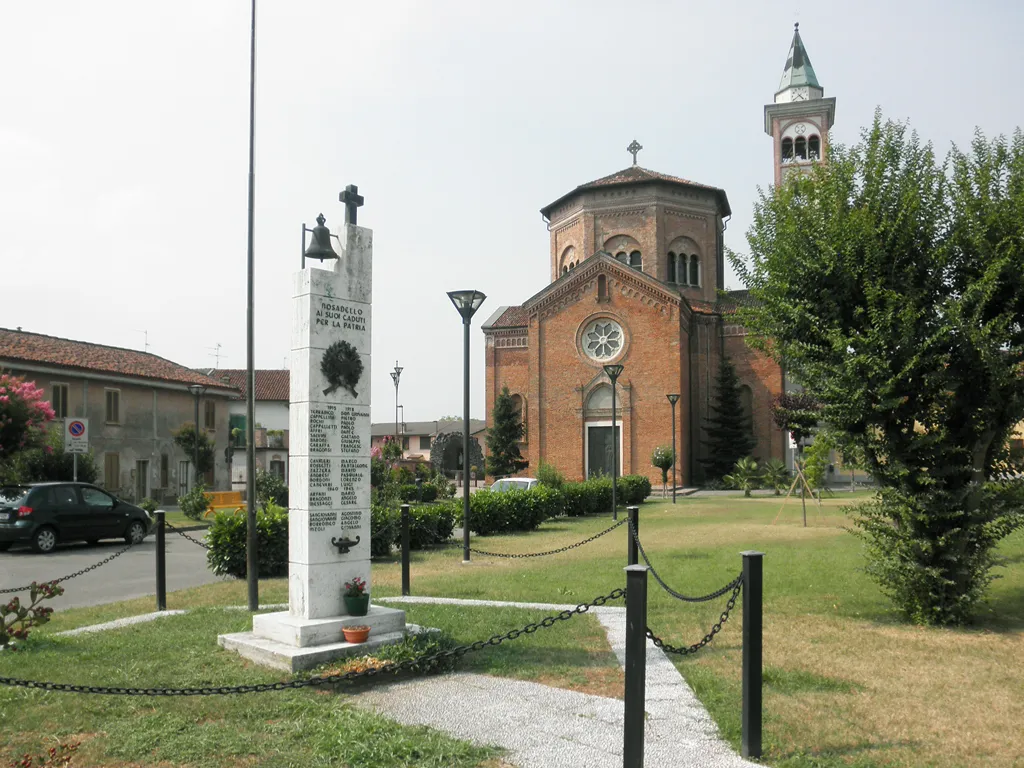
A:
<point x="514" y="484"/>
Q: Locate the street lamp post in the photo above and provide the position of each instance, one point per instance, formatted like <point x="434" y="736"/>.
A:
<point x="613" y="372"/>
<point x="395" y="376"/>
<point x="673" y="399"/>
<point x="197" y="392"/>
<point x="467" y="303"/>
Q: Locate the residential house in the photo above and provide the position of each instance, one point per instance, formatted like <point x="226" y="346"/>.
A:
<point x="418" y="437"/>
<point x="135" y="403"/>
<point x="272" y="388"/>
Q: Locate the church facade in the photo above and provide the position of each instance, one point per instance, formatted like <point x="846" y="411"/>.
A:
<point x="637" y="277"/>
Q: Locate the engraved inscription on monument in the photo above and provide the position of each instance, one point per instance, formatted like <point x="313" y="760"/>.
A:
<point x="323" y="426"/>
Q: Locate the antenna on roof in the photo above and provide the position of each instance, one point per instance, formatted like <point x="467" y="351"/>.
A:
<point x="145" y="336"/>
<point x="215" y="354"/>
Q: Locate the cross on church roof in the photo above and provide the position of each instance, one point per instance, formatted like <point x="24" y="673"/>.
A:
<point x="352" y="200"/>
<point x="634" y="148"/>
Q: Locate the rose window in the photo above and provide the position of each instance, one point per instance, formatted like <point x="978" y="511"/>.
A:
<point x="602" y="340"/>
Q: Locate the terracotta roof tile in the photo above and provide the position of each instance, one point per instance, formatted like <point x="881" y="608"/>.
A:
<point x="636" y="175"/>
<point x="24" y="347"/>
<point x="513" y="317"/>
<point x="271" y="383"/>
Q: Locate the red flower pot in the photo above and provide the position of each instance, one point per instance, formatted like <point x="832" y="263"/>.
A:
<point x="356" y="634"/>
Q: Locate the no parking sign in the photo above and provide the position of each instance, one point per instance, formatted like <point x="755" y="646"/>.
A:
<point x="76" y="436"/>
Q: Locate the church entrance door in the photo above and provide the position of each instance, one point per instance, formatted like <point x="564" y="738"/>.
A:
<point x="599" y="449"/>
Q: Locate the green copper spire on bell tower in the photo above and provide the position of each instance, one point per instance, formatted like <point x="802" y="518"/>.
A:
<point x="798" y="72"/>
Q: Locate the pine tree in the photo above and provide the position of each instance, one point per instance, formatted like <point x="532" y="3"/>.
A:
<point x="729" y="433"/>
<point x="503" y="438"/>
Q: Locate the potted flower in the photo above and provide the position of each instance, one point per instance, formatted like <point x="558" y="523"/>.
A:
<point x="357" y="599"/>
<point x="356" y="634"/>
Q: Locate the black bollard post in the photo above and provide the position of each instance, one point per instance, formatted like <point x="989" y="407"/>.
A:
<point x="636" y="666"/>
<point x="634" y="522"/>
<point x="161" y="563"/>
<point x="753" y="590"/>
<point x="405" y="550"/>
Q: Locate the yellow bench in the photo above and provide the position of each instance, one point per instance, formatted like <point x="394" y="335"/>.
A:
<point x="223" y="500"/>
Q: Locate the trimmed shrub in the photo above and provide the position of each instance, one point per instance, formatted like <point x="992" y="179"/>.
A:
<point x="410" y="493"/>
<point x="270" y="489"/>
<point x="428" y="526"/>
<point x="149" y="504"/>
<point x="633" y="489"/>
<point x="194" y="504"/>
<point x="590" y="497"/>
<point x="384" y="530"/>
<point x="226" y="538"/>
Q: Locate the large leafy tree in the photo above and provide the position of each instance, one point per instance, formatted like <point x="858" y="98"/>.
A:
<point x="185" y="438"/>
<point x="729" y="431"/>
<point x="892" y="288"/>
<point x="503" y="437"/>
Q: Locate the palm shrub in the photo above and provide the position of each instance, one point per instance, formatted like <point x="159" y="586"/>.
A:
<point x="775" y="474"/>
<point x="745" y="476"/>
<point x="227" y="538"/>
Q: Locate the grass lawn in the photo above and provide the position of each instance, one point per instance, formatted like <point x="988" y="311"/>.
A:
<point x="847" y="682"/>
<point x="179" y="520"/>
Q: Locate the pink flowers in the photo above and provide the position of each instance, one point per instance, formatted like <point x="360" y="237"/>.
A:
<point x="24" y="414"/>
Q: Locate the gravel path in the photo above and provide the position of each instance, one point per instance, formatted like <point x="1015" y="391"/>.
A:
<point x="544" y="727"/>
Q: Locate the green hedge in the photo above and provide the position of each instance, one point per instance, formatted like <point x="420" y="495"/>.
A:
<point x="492" y="512"/>
<point x="410" y="493"/>
<point x="226" y="538"/>
<point x="429" y="525"/>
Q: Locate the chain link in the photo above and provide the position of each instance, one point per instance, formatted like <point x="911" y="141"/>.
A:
<point x="667" y="588"/>
<point x="550" y="551"/>
<point x="715" y="628"/>
<point x="420" y="663"/>
<point x="184" y="535"/>
<point x="70" y="576"/>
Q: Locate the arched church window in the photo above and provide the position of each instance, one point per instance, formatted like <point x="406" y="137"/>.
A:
<point x="787" y="150"/>
<point x="694" y="270"/>
<point x="814" y="148"/>
<point x="636" y="261"/>
<point x="602" y="288"/>
<point x="565" y="270"/>
<point x="600" y="399"/>
<point x="621" y="256"/>
<point x="800" y="148"/>
<point x="683" y="269"/>
<point x="671" y="277"/>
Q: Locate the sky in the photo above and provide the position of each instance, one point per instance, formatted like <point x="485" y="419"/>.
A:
<point x="124" y="147"/>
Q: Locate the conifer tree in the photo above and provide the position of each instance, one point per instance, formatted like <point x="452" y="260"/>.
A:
<point x="503" y="438"/>
<point x="728" y="430"/>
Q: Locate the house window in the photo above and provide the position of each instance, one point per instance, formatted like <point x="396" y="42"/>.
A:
<point x="165" y="471"/>
<point x="800" y="148"/>
<point x="405" y="443"/>
<point x="111" y="471"/>
<point x="59" y="401"/>
<point x="787" y="150"/>
<point x="636" y="260"/>
<point x="236" y="429"/>
<point x="694" y="270"/>
<point x="277" y="469"/>
<point x="210" y="415"/>
<point x="424" y="442"/>
<point x="113" y="406"/>
<point x="814" y="147"/>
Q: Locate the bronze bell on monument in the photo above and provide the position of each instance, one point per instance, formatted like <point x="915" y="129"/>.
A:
<point x="320" y="245"/>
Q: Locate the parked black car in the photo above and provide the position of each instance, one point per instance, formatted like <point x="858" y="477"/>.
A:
<point x="43" y="514"/>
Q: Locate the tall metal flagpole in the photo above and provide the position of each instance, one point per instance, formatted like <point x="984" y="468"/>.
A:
<point x="251" y="555"/>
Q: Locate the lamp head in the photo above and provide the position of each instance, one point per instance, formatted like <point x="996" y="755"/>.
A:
<point x="467" y="302"/>
<point x="613" y="371"/>
<point x="673" y="399"/>
<point x="196" y="389"/>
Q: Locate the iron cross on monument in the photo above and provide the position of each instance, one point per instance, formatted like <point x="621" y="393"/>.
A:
<point x="352" y="200"/>
<point x="634" y="148"/>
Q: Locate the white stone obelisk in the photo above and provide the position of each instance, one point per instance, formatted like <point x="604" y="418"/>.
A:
<point x="329" y="476"/>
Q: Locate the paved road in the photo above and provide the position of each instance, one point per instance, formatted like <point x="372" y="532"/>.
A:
<point x="133" y="574"/>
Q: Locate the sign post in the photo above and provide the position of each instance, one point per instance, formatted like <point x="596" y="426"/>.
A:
<point x="76" y="440"/>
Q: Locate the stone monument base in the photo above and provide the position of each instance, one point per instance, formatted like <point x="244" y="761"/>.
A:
<point x="283" y="641"/>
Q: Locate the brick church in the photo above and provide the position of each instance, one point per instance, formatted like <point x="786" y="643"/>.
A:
<point x="637" y="269"/>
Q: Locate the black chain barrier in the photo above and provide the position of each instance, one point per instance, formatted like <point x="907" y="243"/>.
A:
<point x="686" y="650"/>
<point x="550" y="551"/>
<point x="678" y="595"/>
<point x="184" y="535"/>
<point x="70" y="576"/>
<point x="420" y="663"/>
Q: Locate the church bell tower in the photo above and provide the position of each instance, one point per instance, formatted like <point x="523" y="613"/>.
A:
<point x="800" y="117"/>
